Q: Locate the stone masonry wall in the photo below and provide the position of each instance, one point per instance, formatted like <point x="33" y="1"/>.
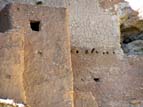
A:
<point x="87" y="21"/>
<point x="103" y="75"/>
<point x="31" y="70"/>
<point x="105" y="80"/>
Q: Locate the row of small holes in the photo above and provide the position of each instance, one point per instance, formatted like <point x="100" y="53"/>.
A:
<point x="93" y="51"/>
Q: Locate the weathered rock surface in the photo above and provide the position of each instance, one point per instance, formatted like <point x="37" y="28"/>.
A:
<point x="134" y="48"/>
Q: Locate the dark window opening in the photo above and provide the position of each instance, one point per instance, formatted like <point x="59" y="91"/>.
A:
<point x="107" y="52"/>
<point x="39" y="3"/>
<point x="96" y="79"/>
<point x="35" y="25"/>
<point x="92" y="51"/>
<point x="77" y="51"/>
<point x="103" y="53"/>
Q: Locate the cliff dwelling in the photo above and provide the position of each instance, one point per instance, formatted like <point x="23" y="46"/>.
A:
<point x="70" y="53"/>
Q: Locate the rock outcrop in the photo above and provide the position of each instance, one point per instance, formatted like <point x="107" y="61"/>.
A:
<point x="131" y="25"/>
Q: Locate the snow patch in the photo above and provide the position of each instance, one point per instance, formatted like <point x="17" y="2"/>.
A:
<point x="11" y="102"/>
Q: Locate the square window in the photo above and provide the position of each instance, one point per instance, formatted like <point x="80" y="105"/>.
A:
<point x="35" y="25"/>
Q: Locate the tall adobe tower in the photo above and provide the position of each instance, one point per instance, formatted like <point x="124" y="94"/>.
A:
<point x="35" y="62"/>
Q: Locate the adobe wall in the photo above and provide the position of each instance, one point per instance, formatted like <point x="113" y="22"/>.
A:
<point x="35" y="63"/>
